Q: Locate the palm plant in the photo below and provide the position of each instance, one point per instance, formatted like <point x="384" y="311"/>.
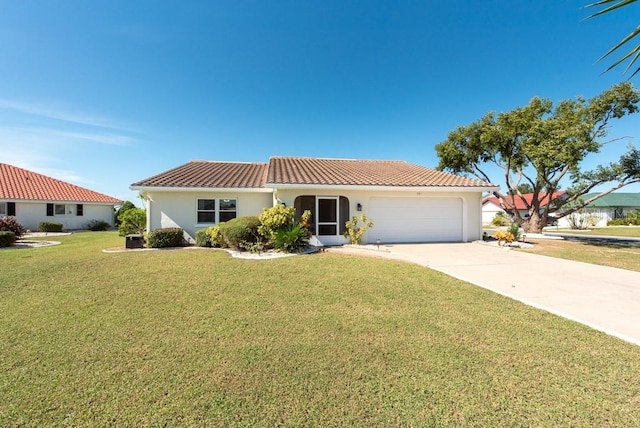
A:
<point x="634" y="53"/>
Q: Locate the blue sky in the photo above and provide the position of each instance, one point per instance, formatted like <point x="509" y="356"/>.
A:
<point x="103" y="94"/>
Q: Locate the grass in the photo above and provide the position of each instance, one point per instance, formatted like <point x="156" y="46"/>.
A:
<point x="629" y="231"/>
<point x="614" y="255"/>
<point x="197" y="338"/>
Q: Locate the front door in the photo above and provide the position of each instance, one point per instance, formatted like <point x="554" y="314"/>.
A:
<point x="327" y="219"/>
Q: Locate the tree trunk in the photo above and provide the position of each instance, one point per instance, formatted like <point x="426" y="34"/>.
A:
<point x="535" y="223"/>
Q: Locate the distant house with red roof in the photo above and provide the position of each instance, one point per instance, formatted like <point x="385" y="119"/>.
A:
<point x="491" y="205"/>
<point x="407" y="202"/>
<point x="32" y="198"/>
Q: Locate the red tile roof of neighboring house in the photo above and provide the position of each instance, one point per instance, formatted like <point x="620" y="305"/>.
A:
<point x="21" y="184"/>
<point x="313" y="171"/>
<point x="520" y="204"/>
<point x="210" y="174"/>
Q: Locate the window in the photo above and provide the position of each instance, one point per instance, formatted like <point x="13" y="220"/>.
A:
<point x="79" y="210"/>
<point x="59" y="209"/>
<point x="206" y="210"/>
<point x="3" y="208"/>
<point x="227" y="209"/>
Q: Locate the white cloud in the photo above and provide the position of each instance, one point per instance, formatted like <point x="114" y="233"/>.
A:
<point x="52" y="112"/>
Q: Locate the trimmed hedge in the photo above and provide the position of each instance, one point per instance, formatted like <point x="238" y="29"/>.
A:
<point x="7" y="238"/>
<point x="45" y="226"/>
<point x="166" y="237"/>
<point x="240" y="230"/>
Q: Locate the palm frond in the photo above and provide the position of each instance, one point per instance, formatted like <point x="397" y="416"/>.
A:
<point x="619" y="4"/>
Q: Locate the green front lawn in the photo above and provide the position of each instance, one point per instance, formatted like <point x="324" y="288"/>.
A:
<point x="197" y="338"/>
<point x="630" y="231"/>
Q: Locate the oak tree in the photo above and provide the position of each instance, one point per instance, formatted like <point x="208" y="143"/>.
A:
<point x="544" y="146"/>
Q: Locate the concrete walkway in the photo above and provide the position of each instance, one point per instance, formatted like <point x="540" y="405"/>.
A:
<point x="604" y="298"/>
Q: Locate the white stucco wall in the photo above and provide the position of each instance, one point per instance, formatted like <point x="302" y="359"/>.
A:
<point x="179" y="208"/>
<point x="30" y="214"/>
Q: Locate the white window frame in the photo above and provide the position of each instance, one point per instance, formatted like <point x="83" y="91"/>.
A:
<point x="217" y="209"/>
<point x="3" y="209"/>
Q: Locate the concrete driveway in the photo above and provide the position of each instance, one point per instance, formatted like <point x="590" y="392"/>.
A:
<point x="604" y="298"/>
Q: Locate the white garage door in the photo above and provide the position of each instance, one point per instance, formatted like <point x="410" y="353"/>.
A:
<point x="416" y="219"/>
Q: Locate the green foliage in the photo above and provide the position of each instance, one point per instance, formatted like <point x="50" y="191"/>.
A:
<point x="542" y="145"/>
<point x="253" y="247"/>
<point x="634" y="53"/>
<point x="275" y="218"/>
<point x="215" y="236"/>
<point x="500" y="219"/>
<point x="7" y="238"/>
<point x="166" y="237"/>
<point x="202" y="238"/>
<point x="126" y="206"/>
<point x="239" y="230"/>
<point x="9" y="224"/>
<point x="292" y="238"/>
<point x="514" y="230"/>
<point x="132" y="222"/>
<point x="631" y="219"/>
<point x="355" y="232"/>
<point x="98" y="225"/>
<point x="45" y="226"/>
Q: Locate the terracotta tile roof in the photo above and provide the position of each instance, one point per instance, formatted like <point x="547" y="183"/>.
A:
<point x="210" y="174"/>
<point x="520" y="204"/>
<point x="313" y="171"/>
<point x="21" y="184"/>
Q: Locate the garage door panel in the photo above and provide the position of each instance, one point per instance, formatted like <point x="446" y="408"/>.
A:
<point x="416" y="219"/>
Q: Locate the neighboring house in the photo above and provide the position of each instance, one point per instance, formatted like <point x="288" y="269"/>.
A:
<point x="491" y="205"/>
<point x="609" y="207"/>
<point x="32" y="198"/>
<point x="407" y="202"/>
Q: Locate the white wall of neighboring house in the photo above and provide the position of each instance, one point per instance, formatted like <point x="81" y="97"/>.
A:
<point x="179" y="208"/>
<point x="30" y="214"/>
<point x="489" y="211"/>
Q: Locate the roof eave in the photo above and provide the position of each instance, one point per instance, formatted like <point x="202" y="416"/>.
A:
<point x="386" y="188"/>
<point x="201" y="189"/>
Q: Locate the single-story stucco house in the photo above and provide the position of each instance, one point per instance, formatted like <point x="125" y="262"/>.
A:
<point x="609" y="207"/>
<point x="407" y="202"/>
<point x="491" y="205"/>
<point x="33" y="198"/>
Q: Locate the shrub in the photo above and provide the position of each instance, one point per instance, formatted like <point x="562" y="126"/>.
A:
<point x="239" y="230"/>
<point x="9" y="224"/>
<point x="126" y="206"/>
<point x="355" y="232"/>
<point x="514" y="230"/>
<point x="500" y="219"/>
<point x="504" y="236"/>
<point x="215" y="236"/>
<point x="202" y="238"/>
<point x="7" y="238"/>
<point x="275" y="218"/>
<point x="292" y="238"/>
<point x="166" y="237"/>
<point x="98" y="225"/>
<point x="132" y="221"/>
<point x="45" y="226"/>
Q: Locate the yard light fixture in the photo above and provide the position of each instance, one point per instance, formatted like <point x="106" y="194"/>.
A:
<point x="378" y="243"/>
